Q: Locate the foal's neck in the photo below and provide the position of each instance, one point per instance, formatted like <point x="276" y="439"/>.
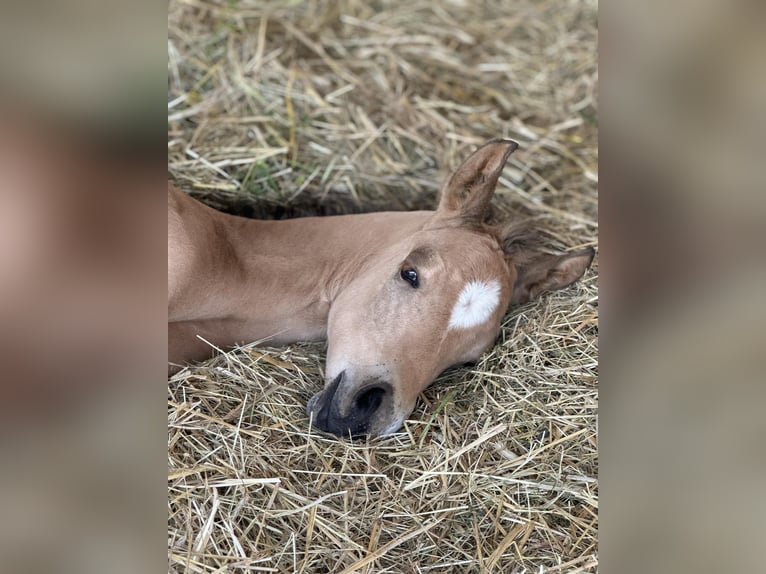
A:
<point x="288" y="273"/>
<point x="238" y="280"/>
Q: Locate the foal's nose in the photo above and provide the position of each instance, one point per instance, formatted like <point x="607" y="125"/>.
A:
<point x="343" y="410"/>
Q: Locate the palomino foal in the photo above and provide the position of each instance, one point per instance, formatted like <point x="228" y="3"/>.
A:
<point x="400" y="296"/>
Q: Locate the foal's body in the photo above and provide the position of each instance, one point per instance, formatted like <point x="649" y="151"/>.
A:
<point x="399" y="296"/>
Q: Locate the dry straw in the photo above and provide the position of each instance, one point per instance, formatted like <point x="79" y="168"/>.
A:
<point x="286" y="107"/>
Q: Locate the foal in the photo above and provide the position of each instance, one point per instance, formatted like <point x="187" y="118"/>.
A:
<point x="400" y="296"/>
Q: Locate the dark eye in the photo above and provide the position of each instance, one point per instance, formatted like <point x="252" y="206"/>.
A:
<point x="410" y="276"/>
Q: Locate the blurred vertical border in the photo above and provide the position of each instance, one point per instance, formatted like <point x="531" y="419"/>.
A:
<point x="82" y="286"/>
<point x="682" y="206"/>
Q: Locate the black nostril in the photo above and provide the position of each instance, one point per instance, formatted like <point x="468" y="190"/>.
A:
<point x="368" y="400"/>
<point x="335" y="414"/>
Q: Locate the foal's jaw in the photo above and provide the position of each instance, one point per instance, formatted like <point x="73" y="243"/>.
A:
<point x="373" y="394"/>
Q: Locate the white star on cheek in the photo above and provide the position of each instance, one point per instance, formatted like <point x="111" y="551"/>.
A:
<point x="476" y="303"/>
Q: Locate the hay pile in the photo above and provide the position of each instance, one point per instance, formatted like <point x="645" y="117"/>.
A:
<point x="356" y="105"/>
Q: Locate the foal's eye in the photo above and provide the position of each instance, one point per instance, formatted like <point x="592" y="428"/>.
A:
<point x="410" y="276"/>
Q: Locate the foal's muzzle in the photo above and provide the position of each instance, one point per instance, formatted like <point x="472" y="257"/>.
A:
<point x="344" y="409"/>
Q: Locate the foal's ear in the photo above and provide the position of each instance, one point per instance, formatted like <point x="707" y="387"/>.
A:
<point x="469" y="189"/>
<point x="537" y="271"/>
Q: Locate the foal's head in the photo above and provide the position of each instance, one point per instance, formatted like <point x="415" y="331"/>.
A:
<point x="433" y="299"/>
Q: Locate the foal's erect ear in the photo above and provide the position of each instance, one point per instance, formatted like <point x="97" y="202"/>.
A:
<point x="469" y="189"/>
<point x="537" y="271"/>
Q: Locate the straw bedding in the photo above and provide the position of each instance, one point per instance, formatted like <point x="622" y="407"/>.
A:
<point x="287" y="108"/>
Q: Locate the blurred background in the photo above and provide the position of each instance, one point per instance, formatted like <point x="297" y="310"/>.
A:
<point x="82" y="286"/>
<point x="681" y="203"/>
<point x="682" y="217"/>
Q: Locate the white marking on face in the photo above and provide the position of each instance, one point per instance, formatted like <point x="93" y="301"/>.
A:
<point x="475" y="304"/>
